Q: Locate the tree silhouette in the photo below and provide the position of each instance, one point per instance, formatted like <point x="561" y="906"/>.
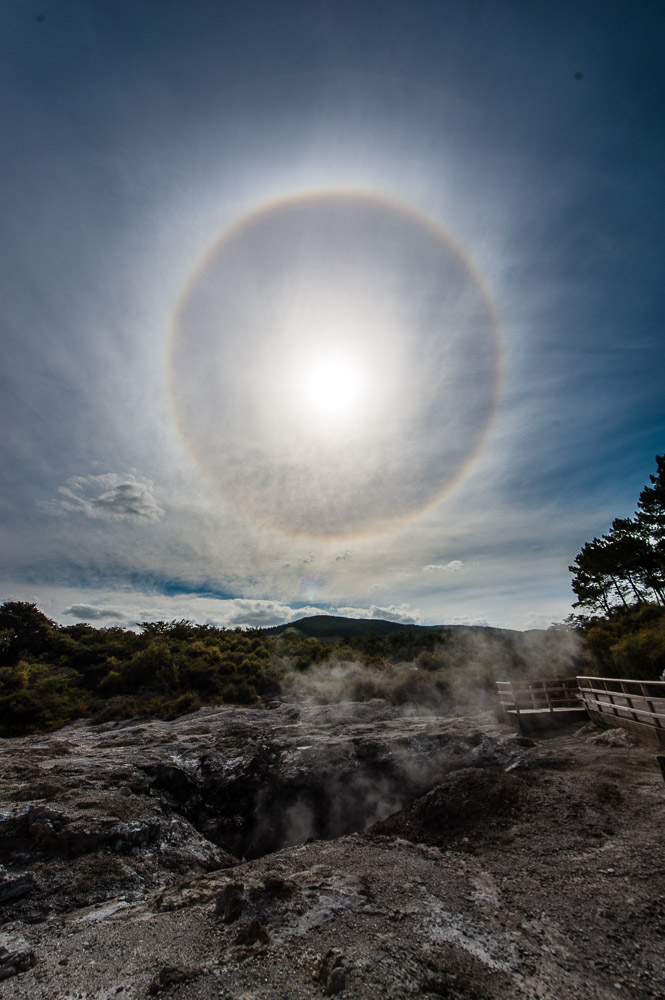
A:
<point x="24" y="630"/>
<point x="626" y="566"/>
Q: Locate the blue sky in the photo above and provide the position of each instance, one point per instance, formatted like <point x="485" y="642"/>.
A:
<point x="494" y="388"/>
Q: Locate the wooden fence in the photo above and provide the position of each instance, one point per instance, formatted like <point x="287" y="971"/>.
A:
<point x="610" y="701"/>
<point x="638" y="701"/>
<point x="560" y="694"/>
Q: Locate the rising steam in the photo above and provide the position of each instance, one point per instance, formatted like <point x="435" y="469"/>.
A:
<point x="458" y="676"/>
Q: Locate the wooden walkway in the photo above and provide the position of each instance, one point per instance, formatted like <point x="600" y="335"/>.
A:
<point x="638" y="706"/>
<point x="635" y="705"/>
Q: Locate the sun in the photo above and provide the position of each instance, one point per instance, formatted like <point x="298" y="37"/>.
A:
<point x="331" y="387"/>
<point x="334" y="364"/>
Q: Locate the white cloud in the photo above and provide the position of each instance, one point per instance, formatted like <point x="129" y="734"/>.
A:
<point x="106" y="496"/>
<point x="131" y="608"/>
<point x="392" y="613"/>
<point x="467" y="620"/>
<point x="257" y="613"/>
<point x="454" y="566"/>
<point x="263" y="614"/>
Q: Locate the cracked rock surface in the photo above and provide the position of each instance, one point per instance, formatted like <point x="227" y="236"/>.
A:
<point x="459" y="861"/>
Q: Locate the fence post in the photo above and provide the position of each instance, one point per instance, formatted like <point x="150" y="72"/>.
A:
<point x="610" y="694"/>
<point x="649" y="703"/>
<point x="629" y="701"/>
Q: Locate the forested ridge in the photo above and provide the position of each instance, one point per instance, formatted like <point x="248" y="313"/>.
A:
<point x="51" y="674"/>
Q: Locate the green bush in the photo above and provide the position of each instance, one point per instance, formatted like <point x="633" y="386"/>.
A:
<point x="36" y="697"/>
<point x="628" y="643"/>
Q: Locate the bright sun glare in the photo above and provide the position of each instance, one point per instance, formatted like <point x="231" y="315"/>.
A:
<point x="331" y="387"/>
<point x="334" y="364"/>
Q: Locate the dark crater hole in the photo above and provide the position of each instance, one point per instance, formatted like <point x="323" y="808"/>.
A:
<point x="265" y="808"/>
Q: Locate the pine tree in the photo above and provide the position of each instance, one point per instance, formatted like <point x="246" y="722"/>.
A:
<point x="626" y="566"/>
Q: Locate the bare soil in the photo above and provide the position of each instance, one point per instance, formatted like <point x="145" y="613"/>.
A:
<point x="531" y="870"/>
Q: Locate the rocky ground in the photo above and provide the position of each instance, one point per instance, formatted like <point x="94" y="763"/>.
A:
<point x="299" y="852"/>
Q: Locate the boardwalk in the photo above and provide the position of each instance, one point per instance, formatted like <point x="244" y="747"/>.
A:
<point x="609" y="701"/>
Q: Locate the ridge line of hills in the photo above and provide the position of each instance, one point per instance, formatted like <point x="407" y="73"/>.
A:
<point x="336" y="626"/>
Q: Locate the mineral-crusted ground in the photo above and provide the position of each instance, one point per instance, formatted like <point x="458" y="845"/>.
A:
<point x="387" y="857"/>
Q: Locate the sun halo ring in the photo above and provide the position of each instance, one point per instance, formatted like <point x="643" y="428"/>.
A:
<point x="273" y="486"/>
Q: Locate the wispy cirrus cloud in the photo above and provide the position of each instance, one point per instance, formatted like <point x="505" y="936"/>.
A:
<point x="106" y="496"/>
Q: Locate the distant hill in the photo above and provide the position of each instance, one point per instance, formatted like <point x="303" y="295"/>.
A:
<point x="337" y="627"/>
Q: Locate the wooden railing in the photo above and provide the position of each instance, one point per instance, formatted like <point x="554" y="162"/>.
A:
<point x="610" y="701"/>
<point x="556" y="695"/>
<point x="638" y="701"/>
